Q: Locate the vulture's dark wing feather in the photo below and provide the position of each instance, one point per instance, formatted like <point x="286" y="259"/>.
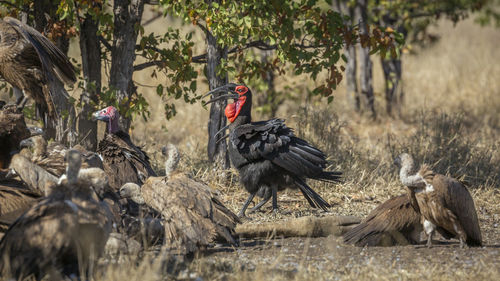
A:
<point x="393" y="216"/>
<point x="53" y="60"/>
<point x="124" y="162"/>
<point x="37" y="238"/>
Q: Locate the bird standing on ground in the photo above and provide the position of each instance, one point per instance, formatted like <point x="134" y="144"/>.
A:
<point x="64" y="234"/>
<point x="123" y="161"/>
<point x="193" y="216"/>
<point x="268" y="156"/>
<point x="444" y="202"/>
<point x="34" y="65"/>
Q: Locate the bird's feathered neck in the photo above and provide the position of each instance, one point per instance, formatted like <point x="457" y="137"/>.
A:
<point x="241" y="120"/>
<point x="407" y="174"/>
<point x="113" y="126"/>
<point x="426" y="173"/>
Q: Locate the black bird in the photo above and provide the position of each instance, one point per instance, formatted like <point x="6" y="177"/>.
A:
<point x="268" y="156"/>
<point x="34" y="65"/>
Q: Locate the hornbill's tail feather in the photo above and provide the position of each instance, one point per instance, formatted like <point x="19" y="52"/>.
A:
<point x="329" y="176"/>
<point x="312" y="197"/>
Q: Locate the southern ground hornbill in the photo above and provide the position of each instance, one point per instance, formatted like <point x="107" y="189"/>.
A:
<point x="268" y="156"/>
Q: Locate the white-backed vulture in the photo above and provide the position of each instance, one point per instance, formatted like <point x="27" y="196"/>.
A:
<point x="63" y="234"/>
<point x="444" y="202"/>
<point x="394" y="222"/>
<point x="51" y="156"/>
<point x="193" y="216"/>
<point x="123" y="161"/>
<point x="33" y="64"/>
<point x="12" y="131"/>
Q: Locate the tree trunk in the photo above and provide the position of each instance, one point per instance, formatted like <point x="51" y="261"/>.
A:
<point x="393" y="85"/>
<point x="91" y="65"/>
<point x="42" y="10"/>
<point x="392" y="71"/>
<point x="352" y="92"/>
<point x="61" y="128"/>
<point x="366" y="79"/>
<point x="217" y="152"/>
<point x="128" y="14"/>
<point x="269" y="100"/>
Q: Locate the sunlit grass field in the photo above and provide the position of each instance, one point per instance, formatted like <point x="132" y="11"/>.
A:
<point x="450" y="119"/>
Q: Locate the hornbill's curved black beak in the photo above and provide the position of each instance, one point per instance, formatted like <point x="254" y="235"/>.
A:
<point x="226" y="88"/>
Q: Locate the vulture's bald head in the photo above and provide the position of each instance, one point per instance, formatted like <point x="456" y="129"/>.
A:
<point x="403" y="160"/>
<point x="132" y="191"/>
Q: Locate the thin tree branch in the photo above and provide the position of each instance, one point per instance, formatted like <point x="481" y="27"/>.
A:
<point x="202" y="27"/>
<point x="259" y="44"/>
<point x="145" y="65"/>
<point x="8" y="3"/>
<point x="106" y="43"/>
<point x="149" y="21"/>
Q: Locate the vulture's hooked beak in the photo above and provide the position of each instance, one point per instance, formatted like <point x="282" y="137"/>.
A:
<point x="35" y="131"/>
<point x="397" y="162"/>
<point x="11" y="174"/>
<point x="97" y="116"/>
<point x="26" y="143"/>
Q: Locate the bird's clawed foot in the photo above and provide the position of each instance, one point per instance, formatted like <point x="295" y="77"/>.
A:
<point x="429" y="243"/>
<point x="244" y="218"/>
<point x="463" y="245"/>
<point x="276" y="213"/>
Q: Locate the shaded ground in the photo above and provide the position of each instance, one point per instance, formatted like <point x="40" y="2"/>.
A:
<point x="328" y="258"/>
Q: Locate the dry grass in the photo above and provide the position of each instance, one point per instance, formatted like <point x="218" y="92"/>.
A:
<point x="451" y="120"/>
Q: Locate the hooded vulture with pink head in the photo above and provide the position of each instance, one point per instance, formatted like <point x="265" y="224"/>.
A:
<point x="123" y="161"/>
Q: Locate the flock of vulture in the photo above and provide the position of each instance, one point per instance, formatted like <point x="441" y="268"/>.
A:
<point x="61" y="207"/>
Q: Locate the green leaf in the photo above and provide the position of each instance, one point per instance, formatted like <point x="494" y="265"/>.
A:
<point x="159" y="90"/>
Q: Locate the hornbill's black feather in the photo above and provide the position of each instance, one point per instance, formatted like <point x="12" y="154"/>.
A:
<point x="268" y="155"/>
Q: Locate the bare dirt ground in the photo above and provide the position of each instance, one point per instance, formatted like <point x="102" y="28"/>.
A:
<point x="328" y="258"/>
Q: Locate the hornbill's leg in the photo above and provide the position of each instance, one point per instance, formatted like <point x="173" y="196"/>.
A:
<point x="275" y="198"/>
<point x="241" y="214"/>
<point x="264" y="200"/>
